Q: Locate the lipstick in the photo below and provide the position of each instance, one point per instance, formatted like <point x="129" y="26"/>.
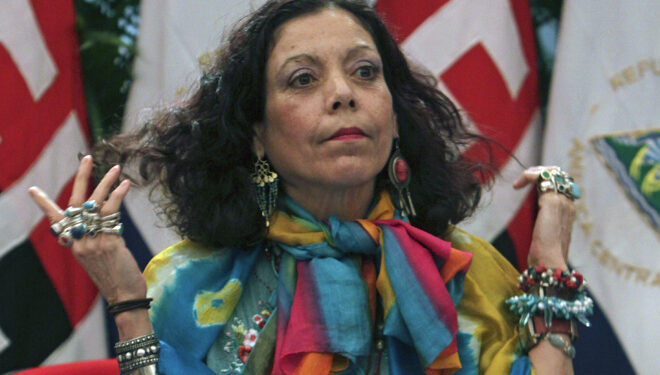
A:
<point x="345" y="134"/>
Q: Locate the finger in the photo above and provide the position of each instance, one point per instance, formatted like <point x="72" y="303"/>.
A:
<point x="117" y="195"/>
<point x="530" y="175"/>
<point x="79" y="191"/>
<point x="50" y="208"/>
<point x="104" y="186"/>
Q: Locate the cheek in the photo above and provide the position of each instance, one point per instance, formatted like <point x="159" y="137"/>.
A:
<point x="288" y="115"/>
<point x="293" y="119"/>
<point x="287" y="127"/>
<point x="288" y="136"/>
<point x="385" y="117"/>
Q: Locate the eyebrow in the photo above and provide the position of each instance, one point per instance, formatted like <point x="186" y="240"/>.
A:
<point x="357" y="50"/>
<point x="305" y="57"/>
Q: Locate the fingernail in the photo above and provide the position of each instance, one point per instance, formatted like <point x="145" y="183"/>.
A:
<point x="36" y="191"/>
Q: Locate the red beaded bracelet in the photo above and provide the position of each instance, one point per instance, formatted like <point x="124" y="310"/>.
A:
<point x="541" y="276"/>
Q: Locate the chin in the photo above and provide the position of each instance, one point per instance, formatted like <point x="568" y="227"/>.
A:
<point x="351" y="175"/>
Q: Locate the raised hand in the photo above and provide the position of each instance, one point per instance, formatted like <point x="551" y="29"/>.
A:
<point x="104" y="256"/>
<point x="554" y="223"/>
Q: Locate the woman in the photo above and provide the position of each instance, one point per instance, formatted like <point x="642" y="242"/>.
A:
<point x="292" y="172"/>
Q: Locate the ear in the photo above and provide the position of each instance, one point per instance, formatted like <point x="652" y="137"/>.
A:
<point x="395" y="125"/>
<point x="257" y="143"/>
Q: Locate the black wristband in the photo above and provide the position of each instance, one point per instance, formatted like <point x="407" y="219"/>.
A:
<point x="131" y="304"/>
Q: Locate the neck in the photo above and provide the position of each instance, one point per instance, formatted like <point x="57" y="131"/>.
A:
<point x="347" y="204"/>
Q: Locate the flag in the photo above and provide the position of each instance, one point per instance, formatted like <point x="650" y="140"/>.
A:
<point x="483" y="54"/>
<point x="50" y="311"/>
<point x="176" y="38"/>
<point x="604" y="128"/>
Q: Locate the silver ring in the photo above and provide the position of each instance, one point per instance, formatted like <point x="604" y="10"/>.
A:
<point x="117" y="229"/>
<point x="112" y="216"/>
<point x="85" y="221"/>
<point x="65" y="238"/>
<point x="90" y="216"/>
<point x="58" y="227"/>
<point x="92" y="230"/>
<point x="560" y="182"/>
<point x="109" y="223"/>
<point x="91" y="206"/>
<point x="78" y="230"/>
<point x="72" y="211"/>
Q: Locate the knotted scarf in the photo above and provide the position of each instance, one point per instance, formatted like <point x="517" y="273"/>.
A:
<point x="329" y="288"/>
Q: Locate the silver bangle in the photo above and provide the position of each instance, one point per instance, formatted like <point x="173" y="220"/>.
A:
<point x="138" y="353"/>
<point x="136" y="365"/>
<point x="145" y="370"/>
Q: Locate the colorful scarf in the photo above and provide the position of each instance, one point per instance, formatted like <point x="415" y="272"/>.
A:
<point x="329" y="288"/>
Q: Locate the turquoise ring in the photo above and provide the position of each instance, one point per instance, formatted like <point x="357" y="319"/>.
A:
<point x="558" y="181"/>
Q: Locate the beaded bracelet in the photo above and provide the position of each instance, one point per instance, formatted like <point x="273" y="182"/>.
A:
<point x="528" y="305"/>
<point x="541" y="276"/>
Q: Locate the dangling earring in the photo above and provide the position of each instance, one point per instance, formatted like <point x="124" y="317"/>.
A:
<point x="265" y="180"/>
<point x="399" y="174"/>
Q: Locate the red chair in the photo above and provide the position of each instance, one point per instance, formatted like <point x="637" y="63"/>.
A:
<point x="98" y="367"/>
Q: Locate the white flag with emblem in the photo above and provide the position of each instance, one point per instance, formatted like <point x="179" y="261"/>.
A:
<point x="604" y="127"/>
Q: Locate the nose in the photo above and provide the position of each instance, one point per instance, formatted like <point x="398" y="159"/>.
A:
<point x="338" y="103"/>
<point x="341" y="94"/>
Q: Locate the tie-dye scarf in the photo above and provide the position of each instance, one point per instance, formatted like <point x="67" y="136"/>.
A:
<point x="329" y="287"/>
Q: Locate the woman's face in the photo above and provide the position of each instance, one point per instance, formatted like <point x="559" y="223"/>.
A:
<point x="329" y="122"/>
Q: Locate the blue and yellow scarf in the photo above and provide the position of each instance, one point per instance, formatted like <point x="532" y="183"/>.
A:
<point x="329" y="288"/>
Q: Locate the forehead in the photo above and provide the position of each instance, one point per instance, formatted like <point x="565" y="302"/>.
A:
<point x="326" y="29"/>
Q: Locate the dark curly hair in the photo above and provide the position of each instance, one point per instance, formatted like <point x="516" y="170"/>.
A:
<point x="200" y="152"/>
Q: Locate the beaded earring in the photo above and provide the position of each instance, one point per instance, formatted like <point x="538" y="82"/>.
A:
<point x="399" y="174"/>
<point x="265" y="180"/>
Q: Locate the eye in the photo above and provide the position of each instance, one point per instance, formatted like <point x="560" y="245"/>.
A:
<point x="301" y="80"/>
<point x="367" y="71"/>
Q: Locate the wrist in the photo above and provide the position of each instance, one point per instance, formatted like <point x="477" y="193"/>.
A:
<point x="561" y="334"/>
<point x="547" y="260"/>
<point x="133" y="323"/>
<point x="562" y="265"/>
<point x="550" y="253"/>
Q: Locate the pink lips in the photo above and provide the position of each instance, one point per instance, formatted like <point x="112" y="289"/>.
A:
<point x="345" y="134"/>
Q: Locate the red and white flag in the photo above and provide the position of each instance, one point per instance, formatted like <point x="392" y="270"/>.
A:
<point x="50" y="311"/>
<point x="483" y="54"/>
